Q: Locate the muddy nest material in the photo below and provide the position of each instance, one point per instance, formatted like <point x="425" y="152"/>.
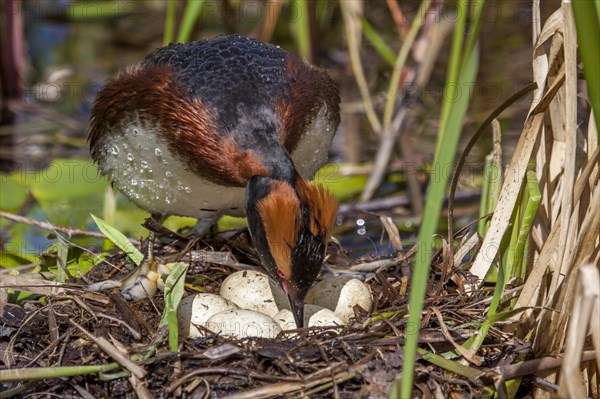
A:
<point x="360" y="360"/>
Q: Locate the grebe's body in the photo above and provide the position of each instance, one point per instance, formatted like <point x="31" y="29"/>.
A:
<point x="229" y="125"/>
<point x="182" y="133"/>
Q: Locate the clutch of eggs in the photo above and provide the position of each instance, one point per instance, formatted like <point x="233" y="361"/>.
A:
<point x="251" y="305"/>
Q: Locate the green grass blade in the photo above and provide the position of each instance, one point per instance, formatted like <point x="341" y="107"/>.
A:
<point x="587" y="23"/>
<point x="514" y="238"/>
<point x="451" y="86"/>
<point x="532" y="190"/>
<point x="302" y="29"/>
<point x="455" y="367"/>
<point x="174" y="289"/>
<point x="62" y="254"/>
<point x="477" y="8"/>
<point x="119" y="240"/>
<point x="382" y="48"/>
<point x="485" y="192"/>
<point x="449" y="140"/>
<point x="190" y="16"/>
<point x="170" y="22"/>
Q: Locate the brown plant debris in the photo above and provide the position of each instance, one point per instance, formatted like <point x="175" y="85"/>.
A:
<point x="364" y="359"/>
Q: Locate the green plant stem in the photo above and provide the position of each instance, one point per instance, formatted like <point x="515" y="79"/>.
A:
<point x="53" y="372"/>
<point x="302" y="28"/>
<point x="448" y="136"/>
<point x="451" y="87"/>
<point x="190" y="16"/>
<point x="169" y="24"/>
<point x="174" y="290"/>
<point x="532" y="192"/>
<point x="457" y="368"/>
<point x="378" y="43"/>
<point x="382" y="316"/>
<point x="477" y="8"/>
<point x="433" y="208"/>
<point x="587" y="24"/>
<point x="485" y="192"/>
<point x="509" y="258"/>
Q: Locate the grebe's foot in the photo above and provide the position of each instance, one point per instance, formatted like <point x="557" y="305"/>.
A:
<point x="205" y="225"/>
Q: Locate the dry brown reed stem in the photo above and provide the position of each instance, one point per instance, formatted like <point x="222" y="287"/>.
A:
<point x="585" y="318"/>
<point x="566" y="231"/>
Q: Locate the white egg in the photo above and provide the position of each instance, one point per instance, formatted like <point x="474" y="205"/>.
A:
<point x="316" y="316"/>
<point x="254" y="290"/>
<point x="340" y="294"/>
<point x="325" y="318"/>
<point x="243" y="323"/>
<point x="197" y="309"/>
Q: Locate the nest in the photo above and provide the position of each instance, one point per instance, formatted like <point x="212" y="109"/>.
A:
<point x="363" y="359"/>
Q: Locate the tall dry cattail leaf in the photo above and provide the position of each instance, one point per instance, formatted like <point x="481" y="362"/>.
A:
<point x="508" y="197"/>
<point x="548" y="256"/>
<point x="567" y="238"/>
<point x="514" y="179"/>
<point x="585" y="319"/>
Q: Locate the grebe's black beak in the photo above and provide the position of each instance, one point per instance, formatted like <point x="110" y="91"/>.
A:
<point x="297" y="310"/>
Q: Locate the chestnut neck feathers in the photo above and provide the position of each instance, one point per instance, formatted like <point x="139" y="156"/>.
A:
<point x="290" y="222"/>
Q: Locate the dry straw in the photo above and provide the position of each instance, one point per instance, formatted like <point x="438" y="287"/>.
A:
<point x="561" y="290"/>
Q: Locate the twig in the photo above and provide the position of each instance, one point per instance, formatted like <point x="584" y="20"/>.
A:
<point x="50" y="226"/>
<point x="223" y="371"/>
<point x="113" y="352"/>
<point x="389" y="137"/>
<point x="536" y="365"/>
<point x="398" y="16"/>
<point x="353" y="35"/>
<point x="394" y="202"/>
<point x="472" y="358"/>
<point x="34" y="285"/>
<point x="283" y="388"/>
